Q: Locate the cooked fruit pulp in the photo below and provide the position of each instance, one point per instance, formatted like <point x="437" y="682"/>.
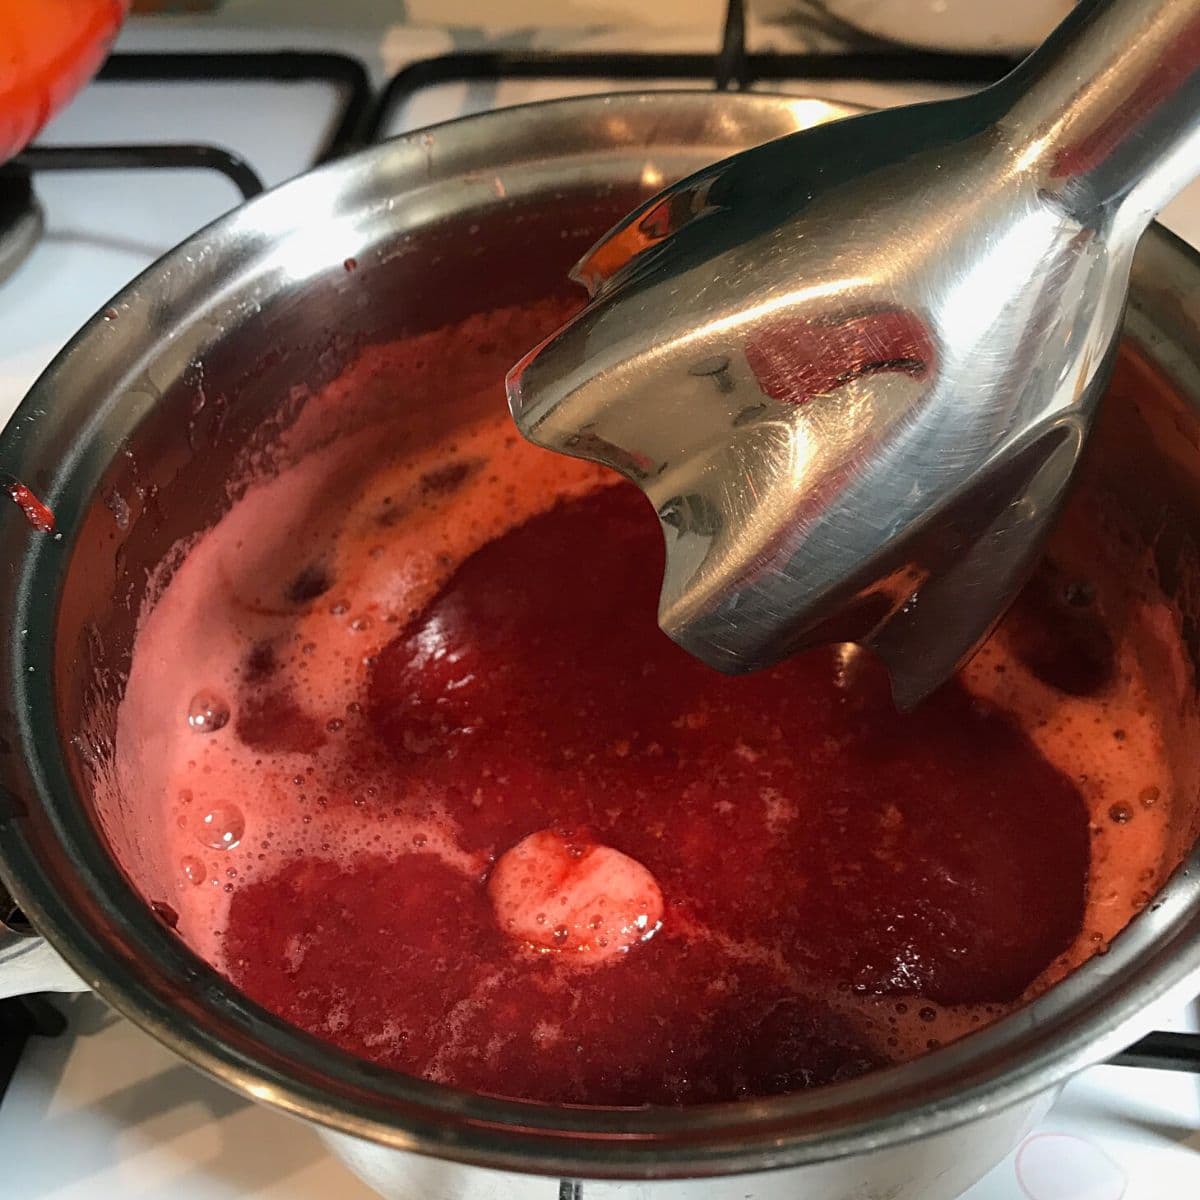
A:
<point x="447" y="797"/>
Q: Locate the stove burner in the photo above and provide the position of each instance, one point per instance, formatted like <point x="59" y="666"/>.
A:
<point x="20" y="218"/>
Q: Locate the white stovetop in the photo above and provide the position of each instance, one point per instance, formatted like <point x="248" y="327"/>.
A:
<point x="104" y="1113"/>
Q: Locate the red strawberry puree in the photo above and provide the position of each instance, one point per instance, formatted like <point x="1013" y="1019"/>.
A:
<point x="437" y="789"/>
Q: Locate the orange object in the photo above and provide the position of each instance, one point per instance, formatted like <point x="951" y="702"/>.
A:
<point x="48" y="50"/>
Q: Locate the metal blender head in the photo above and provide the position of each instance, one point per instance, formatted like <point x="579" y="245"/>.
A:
<point x="853" y="369"/>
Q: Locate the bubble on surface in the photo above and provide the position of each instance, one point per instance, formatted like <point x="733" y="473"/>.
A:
<point x="222" y="827"/>
<point x="207" y="712"/>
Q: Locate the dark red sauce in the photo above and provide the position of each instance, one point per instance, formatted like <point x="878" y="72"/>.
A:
<point x="36" y="513"/>
<point x="810" y="843"/>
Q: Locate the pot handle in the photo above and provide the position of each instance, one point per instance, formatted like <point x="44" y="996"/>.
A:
<point x="27" y="962"/>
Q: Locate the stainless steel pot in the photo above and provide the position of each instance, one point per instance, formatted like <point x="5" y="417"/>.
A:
<point x="133" y="435"/>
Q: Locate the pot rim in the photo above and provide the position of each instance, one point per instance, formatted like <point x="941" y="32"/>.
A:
<point x="135" y="964"/>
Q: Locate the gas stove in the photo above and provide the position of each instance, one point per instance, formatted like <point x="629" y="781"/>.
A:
<point x="190" y="116"/>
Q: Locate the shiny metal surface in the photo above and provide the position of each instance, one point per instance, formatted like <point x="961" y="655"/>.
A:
<point x="28" y="964"/>
<point x="264" y="301"/>
<point x="854" y="369"/>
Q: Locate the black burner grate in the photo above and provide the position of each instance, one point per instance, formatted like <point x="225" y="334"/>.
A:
<point x="20" y="1019"/>
<point x="733" y="66"/>
<point x="1166" y="1051"/>
<point x="169" y="156"/>
<point x="20" y="219"/>
<point x="346" y="75"/>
